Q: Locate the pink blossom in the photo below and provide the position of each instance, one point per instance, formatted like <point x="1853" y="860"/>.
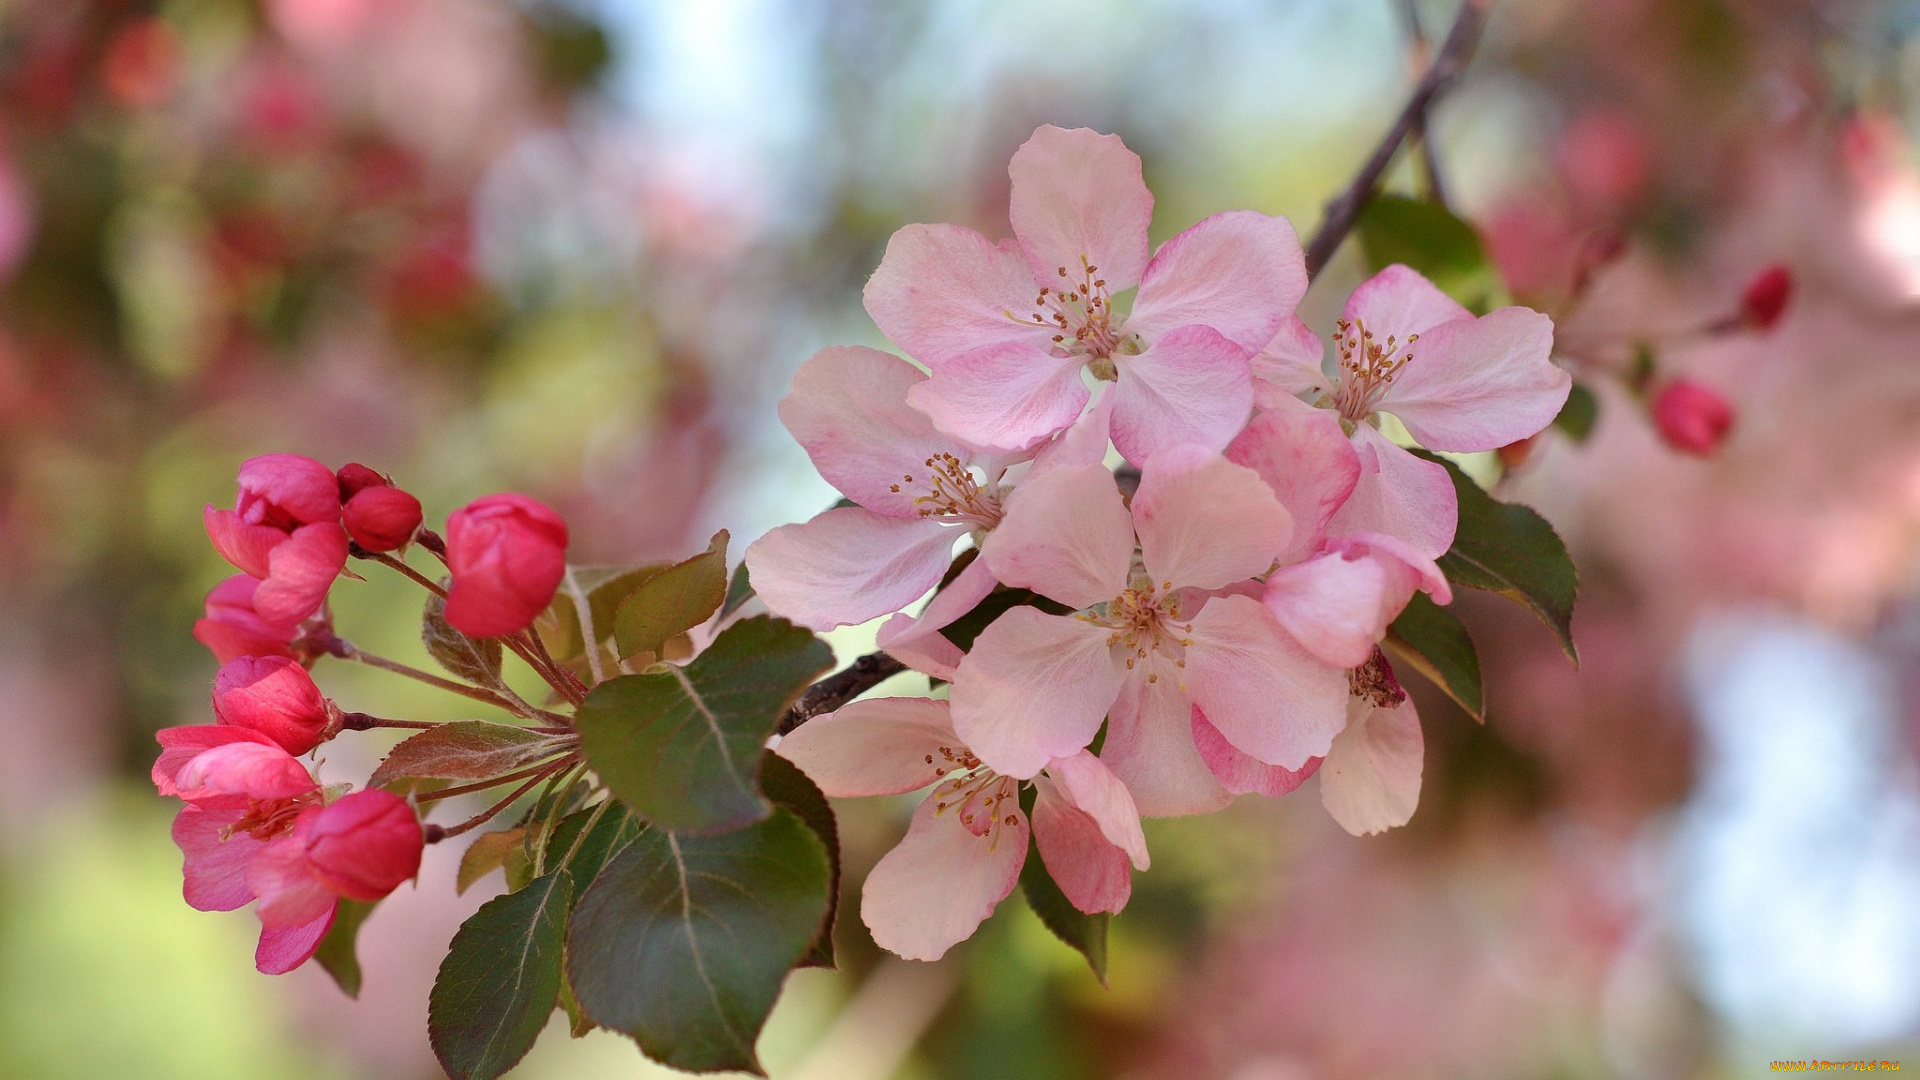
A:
<point x="1692" y="418"/>
<point x="365" y="845"/>
<point x="1008" y="328"/>
<point x="1458" y="383"/>
<point x="233" y="627"/>
<point x="276" y="697"/>
<point x="507" y="554"/>
<point x="963" y="853"/>
<point x="378" y="516"/>
<point x="1765" y="298"/>
<point x="285" y="530"/>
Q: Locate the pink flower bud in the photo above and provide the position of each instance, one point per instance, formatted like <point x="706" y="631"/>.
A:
<point x="286" y="491"/>
<point x="1765" y="299"/>
<point x="274" y="696"/>
<point x="382" y="518"/>
<point x="1692" y="418"/>
<point x="365" y="845"/>
<point x="507" y="554"/>
<point x="234" y="628"/>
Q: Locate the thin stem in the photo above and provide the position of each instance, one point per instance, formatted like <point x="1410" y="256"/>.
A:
<point x="589" y="633"/>
<point x="1422" y="49"/>
<point x="541" y="770"/>
<point x="359" y="721"/>
<point x="346" y="651"/>
<point x="565" y="686"/>
<point x="436" y="833"/>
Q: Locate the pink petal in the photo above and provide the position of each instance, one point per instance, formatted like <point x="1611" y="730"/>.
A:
<point x="299" y="486"/>
<point x="216" y="865"/>
<point x="848" y="408"/>
<point x="1009" y="397"/>
<point x="1307" y="461"/>
<point x="961" y="595"/>
<point x="1034" y="688"/>
<point x="1371" y="781"/>
<point x="1086" y="783"/>
<point x="1397" y="301"/>
<point x="1339" y="604"/>
<point x="879" y="746"/>
<point x="1399" y="495"/>
<point x="1079" y="195"/>
<point x="1084" y="442"/>
<point x="932" y="891"/>
<point x="179" y="745"/>
<point x="285" y="948"/>
<point x="1265" y="693"/>
<point x="848" y="565"/>
<point x="1150" y="747"/>
<point x="1205" y="522"/>
<point x="290" y="893"/>
<point x="363" y="846"/>
<point x="1089" y="869"/>
<point x="929" y="653"/>
<point x="244" y="768"/>
<point x="300" y="571"/>
<point x="1480" y="384"/>
<point x="1067" y="535"/>
<point x="245" y="546"/>
<point x="1240" y="273"/>
<point x="1240" y="773"/>
<point x="943" y="290"/>
<point x="1190" y="386"/>
<point x="1288" y="365"/>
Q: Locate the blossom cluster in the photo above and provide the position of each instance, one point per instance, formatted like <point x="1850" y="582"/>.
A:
<point x="1203" y="625"/>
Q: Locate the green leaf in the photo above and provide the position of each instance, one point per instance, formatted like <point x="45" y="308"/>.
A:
<point x="614" y="830"/>
<point x="603" y="587"/>
<point x="681" y="745"/>
<point x="499" y="981"/>
<point x="1430" y="638"/>
<point x="1577" y="416"/>
<point x="1086" y="934"/>
<point x="1431" y="239"/>
<point x="466" y="750"/>
<point x="684" y="941"/>
<point x="487" y="853"/>
<point x="1509" y="549"/>
<point x="673" y="601"/>
<point x="783" y="782"/>
<point x="478" y="662"/>
<point x="739" y="591"/>
<point x="337" y="953"/>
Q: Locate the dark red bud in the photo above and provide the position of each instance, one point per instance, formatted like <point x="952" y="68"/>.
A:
<point x="1765" y="299"/>
<point x="355" y="478"/>
<point x="1691" y="418"/>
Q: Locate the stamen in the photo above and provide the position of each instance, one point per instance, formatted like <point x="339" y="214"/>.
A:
<point x="1367" y="367"/>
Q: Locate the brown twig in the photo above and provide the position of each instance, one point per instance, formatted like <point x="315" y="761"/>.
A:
<point x="841" y="687"/>
<point x="1451" y="60"/>
<point x="1422" y="131"/>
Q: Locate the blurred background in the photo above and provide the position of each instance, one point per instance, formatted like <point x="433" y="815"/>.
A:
<point x="577" y="247"/>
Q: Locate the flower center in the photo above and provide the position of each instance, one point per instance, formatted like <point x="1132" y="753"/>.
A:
<point x="1145" y="621"/>
<point x="987" y="802"/>
<point x="1080" y="311"/>
<point x="267" y="819"/>
<point x="1367" y="367"/>
<point x="953" y="493"/>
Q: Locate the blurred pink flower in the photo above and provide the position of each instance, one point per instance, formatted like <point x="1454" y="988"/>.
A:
<point x="507" y="554"/>
<point x="1692" y="418"/>
<point x="1604" y="159"/>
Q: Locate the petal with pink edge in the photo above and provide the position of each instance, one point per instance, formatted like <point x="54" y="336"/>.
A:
<point x="1339" y="604"/>
<point x="848" y="408"/>
<point x="1150" y="748"/>
<point x="1205" y="522"/>
<point x="1078" y="195"/>
<point x="1308" y="463"/>
<point x="290" y="893"/>
<point x="848" y="565"/>
<point x="1190" y="386"/>
<point x="1007" y="397"/>
<point x="1084" y="442"/>
<point x="1067" y="535"/>
<point x="1090" y="870"/>
<point x="1241" y="774"/>
<point x="944" y="290"/>
<point x="216" y="864"/>
<point x="1087" y="784"/>
<point x="1241" y="273"/>
<point x="300" y="571"/>
<point x="179" y="745"/>
<point x="281" y="950"/>
<point x="1259" y="687"/>
<point x="299" y="486"/>
<point x="247" y="547"/>
<point x="1480" y="384"/>
<point x="1397" y="301"/>
<point x="1399" y="495"/>
<point x="1371" y="782"/>
<point x="929" y="653"/>
<point x="960" y="596"/>
<point x="880" y="746"/>
<point x="1034" y="688"/>
<point x="244" y="768"/>
<point x="932" y="891"/>
<point x="1289" y="365"/>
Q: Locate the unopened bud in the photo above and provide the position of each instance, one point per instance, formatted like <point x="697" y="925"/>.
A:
<point x="1765" y="298"/>
<point x="1692" y="418"/>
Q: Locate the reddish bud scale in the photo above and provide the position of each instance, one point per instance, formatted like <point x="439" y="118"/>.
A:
<point x="365" y="845"/>
<point x="1692" y="418"/>
<point x="507" y="554"/>
<point x="274" y="696"/>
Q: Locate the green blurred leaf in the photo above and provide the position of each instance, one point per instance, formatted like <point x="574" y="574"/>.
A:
<point x="782" y="782"/>
<point x="684" y="941"/>
<point x="337" y="953"/>
<point x="739" y="591"/>
<point x="466" y="750"/>
<point x="478" y="662"/>
<point x="1430" y="638"/>
<point x="1429" y="238"/>
<point x="673" y="601"/>
<point x="1577" y="416"/>
<point x="1509" y="549"/>
<point x="1084" y="933"/>
<point x="500" y="979"/>
<point x="681" y="745"/>
<point x="603" y="587"/>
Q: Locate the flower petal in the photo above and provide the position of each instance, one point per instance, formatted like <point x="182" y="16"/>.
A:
<point x="848" y="565"/>
<point x="244" y="768"/>
<point x="944" y="290"/>
<point x="932" y="891"/>
<point x="283" y="949"/>
<point x="179" y="745"/>
<point x="1265" y="692"/>
<point x="1150" y="747"/>
<point x="1067" y="535"/>
<point x="1008" y="397"/>
<point x="290" y="893"/>
<point x="297" y="486"/>
<point x="1191" y="386"/>
<point x="1034" y="688"/>
<point x="1339" y="604"/>
<point x="1087" y="784"/>
<point x="879" y="746"/>
<point x="1288" y="365"/>
<point x="300" y="571"/>
<point x="1205" y="522"/>
<point x="1085" y="440"/>
<point x="1090" y="870"/>
<point x="216" y="864"/>
<point x="929" y="653"/>
<point x="1241" y="273"/>
<point x="848" y="408"/>
<point x="1480" y="384"/>
<point x="1397" y="301"/>
<point x="246" y="546"/>
<point x="1399" y="495"/>
<point x="961" y="595"/>
<point x="1079" y="195"/>
<point x="1307" y="461"/>
<point x="1240" y="773"/>
<point x="1371" y="781"/>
